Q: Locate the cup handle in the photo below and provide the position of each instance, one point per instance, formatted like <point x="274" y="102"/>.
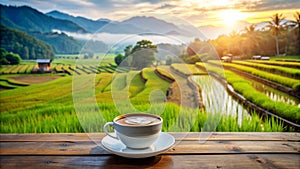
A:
<point x="106" y="132"/>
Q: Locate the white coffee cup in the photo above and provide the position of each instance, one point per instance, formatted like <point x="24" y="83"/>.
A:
<point x="137" y="130"/>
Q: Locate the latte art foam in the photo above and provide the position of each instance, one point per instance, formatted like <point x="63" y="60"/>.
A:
<point x="138" y="120"/>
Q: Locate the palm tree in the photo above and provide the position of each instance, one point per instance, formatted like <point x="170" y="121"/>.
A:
<point x="251" y="38"/>
<point x="297" y="23"/>
<point x="275" y="26"/>
<point x="297" y="18"/>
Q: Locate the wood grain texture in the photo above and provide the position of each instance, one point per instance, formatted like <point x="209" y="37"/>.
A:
<point x="213" y="136"/>
<point x="182" y="147"/>
<point x="191" y="150"/>
<point x="250" y="161"/>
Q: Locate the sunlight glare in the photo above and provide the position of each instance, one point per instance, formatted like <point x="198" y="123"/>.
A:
<point x="231" y="17"/>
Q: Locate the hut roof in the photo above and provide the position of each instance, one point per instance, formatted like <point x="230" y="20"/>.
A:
<point x="43" y="60"/>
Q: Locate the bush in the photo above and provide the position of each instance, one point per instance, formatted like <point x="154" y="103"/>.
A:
<point x="13" y="59"/>
<point x="9" y="58"/>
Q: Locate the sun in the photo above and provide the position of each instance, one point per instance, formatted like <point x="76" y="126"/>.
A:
<point x="231" y="17"/>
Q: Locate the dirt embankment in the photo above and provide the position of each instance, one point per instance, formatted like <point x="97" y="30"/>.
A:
<point x="35" y="79"/>
<point x="182" y="91"/>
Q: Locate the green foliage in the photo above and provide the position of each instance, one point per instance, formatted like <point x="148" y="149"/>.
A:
<point x="119" y="58"/>
<point x="63" y="119"/>
<point x="289" y="82"/>
<point x="188" y="69"/>
<point x="24" y="45"/>
<point x="277" y="63"/>
<point x="60" y="42"/>
<point x="9" y="58"/>
<point x="164" y="73"/>
<point x="136" y="85"/>
<point x="285" y="58"/>
<point x="197" y="51"/>
<point x="139" y="56"/>
<point x="153" y="83"/>
<point x="275" y="39"/>
<point x="291" y="72"/>
<point x="13" y="58"/>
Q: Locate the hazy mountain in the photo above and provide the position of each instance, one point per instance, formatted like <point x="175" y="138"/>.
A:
<point x="155" y="25"/>
<point x="60" y="42"/>
<point x="134" y="25"/>
<point x="212" y="32"/>
<point x="151" y="23"/>
<point x="87" y="24"/>
<point x="104" y="20"/>
<point x="27" y="19"/>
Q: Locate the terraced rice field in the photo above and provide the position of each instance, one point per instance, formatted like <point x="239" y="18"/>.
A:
<point x="248" y="88"/>
<point x="49" y="106"/>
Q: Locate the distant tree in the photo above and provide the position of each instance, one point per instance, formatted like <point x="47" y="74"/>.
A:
<point x="13" y="58"/>
<point x="26" y="53"/>
<point x="143" y="54"/>
<point x="9" y="58"/>
<point x="169" y="60"/>
<point x="3" y="52"/>
<point x="3" y="60"/>
<point x="139" y="56"/>
<point x="85" y="56"/>
<point x="250" y="41"/>
<point x="127" y="50"/>
<point x="90" y="55"/>
<point x="194" y="47"/>
<point x="234" y="46"/>
<point x="196" y="51"/>
<point x="118" y="59"/>
<point x="32" y="54"/>
<point x="275" y="26"/>
<point x="297" y="24"/>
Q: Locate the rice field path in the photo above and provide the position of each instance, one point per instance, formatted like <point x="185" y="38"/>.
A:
<point x="181" y="93"/>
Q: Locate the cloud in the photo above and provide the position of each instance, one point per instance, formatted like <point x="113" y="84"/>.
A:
<point x="267" y="5"/>
<point x="198" y="12"/>
<point x="165" y="6"/>
<point x="115" y="39"/>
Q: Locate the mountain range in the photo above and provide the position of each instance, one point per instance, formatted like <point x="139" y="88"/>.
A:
<point x="44" y="26"/>
<point x="134" y="25"/>
<point x="87" y="24"/>
<point x="26" y="19"/>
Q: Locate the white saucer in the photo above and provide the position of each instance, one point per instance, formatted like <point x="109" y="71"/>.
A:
<point x="164" y="142"/>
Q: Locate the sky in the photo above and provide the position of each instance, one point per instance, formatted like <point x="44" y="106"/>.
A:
<point x="200" y="13"/>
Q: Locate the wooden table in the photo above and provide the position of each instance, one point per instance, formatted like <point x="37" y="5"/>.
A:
<point x="221" y="150"/>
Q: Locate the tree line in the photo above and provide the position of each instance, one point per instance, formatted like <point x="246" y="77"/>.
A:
<point x="278" y="37"/>
<point x="26" y="46"/>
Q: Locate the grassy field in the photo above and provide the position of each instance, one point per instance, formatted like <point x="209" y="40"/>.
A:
<point x="289" y="82"/>
<point x="67" y="66"/>
<point x="277" y="63"/>
<point x="286" y="71"/>
<point x="285" y="58"/>
<point x="188" y="69"/>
